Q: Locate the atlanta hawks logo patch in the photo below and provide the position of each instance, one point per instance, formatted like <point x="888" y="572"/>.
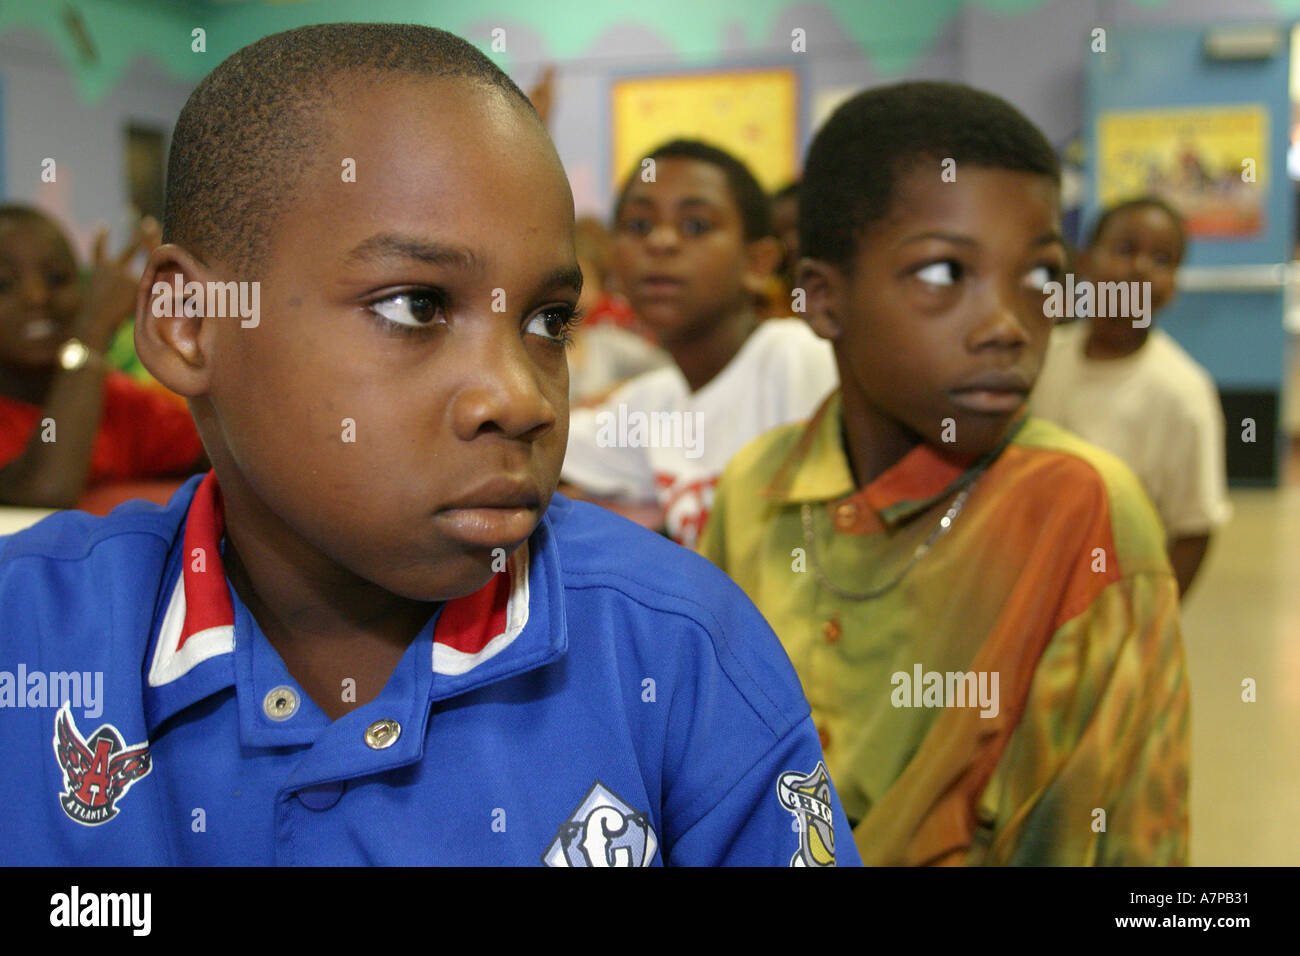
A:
<point x="98" y="772"/>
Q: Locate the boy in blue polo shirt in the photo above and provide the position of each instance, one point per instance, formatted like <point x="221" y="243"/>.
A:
<point x="371" y="634"/>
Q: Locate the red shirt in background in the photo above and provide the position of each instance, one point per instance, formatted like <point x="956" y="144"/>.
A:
<point x="612" y="310"/>
<point x="144" y="432"/>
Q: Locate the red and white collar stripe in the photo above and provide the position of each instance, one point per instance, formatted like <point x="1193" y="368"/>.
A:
<point x="200" y="623"/>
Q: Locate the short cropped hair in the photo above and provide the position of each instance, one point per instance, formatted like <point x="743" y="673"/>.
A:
<point x="243" y="135"/>
<point x="751" y="201"/>
<point x="1139" y="202"/>
<point x="858" y="157"/>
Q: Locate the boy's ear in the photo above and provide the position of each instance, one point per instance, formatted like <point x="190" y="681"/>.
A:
<point x="822" y="285"/>
<point x="172" y="345"/>
<point x="762" y="256"/>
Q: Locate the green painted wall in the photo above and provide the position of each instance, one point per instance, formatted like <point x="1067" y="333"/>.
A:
<point x="891" y="33"/>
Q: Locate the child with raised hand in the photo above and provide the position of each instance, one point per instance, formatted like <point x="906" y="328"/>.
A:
<point x="693" y="253"/>
<point x="1129" y="387"/>
<point x="978" y="602"/>
<point x="372" y="633"/>
<point x="68" y="423"/>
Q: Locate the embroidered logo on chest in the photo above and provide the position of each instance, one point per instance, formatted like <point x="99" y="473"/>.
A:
<point x="603" y="831"/>
<point x="96" y="772"/>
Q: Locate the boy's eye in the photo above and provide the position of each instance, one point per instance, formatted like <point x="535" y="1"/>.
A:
<point x="636" y="226"/>
<point x="695" y="226"/>
<point x="1038" y="277"/>
<point x="414" y="309"/>
<point x="940" y="273"/>
<point x="554" y="324"/>
<point x="58" y="279"/>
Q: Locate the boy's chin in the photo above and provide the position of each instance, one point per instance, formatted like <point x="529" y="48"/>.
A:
<point x="452" y="579"/>
<point x="44" y="357"/>
<point x="975" y="435"/>
<point x="672" y="322"/>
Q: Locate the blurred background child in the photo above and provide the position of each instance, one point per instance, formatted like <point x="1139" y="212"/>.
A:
<point x="608" y="344"/>
<point x="693" y="253"/>
<point x="67" y="422"/>
<point x="1135" y="391"/>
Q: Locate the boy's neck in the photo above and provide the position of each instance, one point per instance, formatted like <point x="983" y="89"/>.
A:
<point x="1107" y="345"/>
<point x="701" y="357"/>
<point x="26" y="384"/>
<point x="873" y="442"/>
<point x="326" y="623"/>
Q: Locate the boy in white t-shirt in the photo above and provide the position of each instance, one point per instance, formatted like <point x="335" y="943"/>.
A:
<point x="1135" y="392"/>
<point x="693" y="247"/>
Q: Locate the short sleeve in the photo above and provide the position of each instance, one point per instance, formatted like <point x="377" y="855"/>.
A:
<point x="784" y="812"/>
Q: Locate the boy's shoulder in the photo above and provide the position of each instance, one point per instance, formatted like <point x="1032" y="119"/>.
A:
<point x="631" y="584"/>
<point x="791" y="343"/>
<point x="1063" y="470"/>
<point x="139" y="529"/>
<point x="760" y="458"/>
<point x="1183" y="376"/>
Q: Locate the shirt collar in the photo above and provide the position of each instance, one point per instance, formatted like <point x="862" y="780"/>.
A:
<point x="513" y="623"/>
<point x="817" y="470"/>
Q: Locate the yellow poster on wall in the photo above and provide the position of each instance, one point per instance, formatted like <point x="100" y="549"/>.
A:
<point x="750" y="113"/>
<point x="1211" y="163"/>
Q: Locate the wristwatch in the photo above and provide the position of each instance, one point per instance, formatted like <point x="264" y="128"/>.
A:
<point x="75" y="354"/>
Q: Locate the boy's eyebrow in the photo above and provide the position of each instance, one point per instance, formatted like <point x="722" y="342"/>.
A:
<point x="1046" y="239"/>
<point x="389" y="245"/>
<point x="565" y="277"/>
<point x="688" y="201"/>
<point x="937" y="234"/>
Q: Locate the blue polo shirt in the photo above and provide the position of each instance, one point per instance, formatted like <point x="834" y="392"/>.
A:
<point x="608" y="699"/>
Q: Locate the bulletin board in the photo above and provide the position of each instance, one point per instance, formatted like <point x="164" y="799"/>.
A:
<point x="751" y="113"/>
<point x="1210" y="163"/>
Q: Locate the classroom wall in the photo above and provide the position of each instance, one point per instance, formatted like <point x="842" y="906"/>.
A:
<point x="44" y="115"/>
<point x="53" y="102"/>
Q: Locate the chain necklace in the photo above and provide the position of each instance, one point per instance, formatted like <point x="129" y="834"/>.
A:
<point x="939" y="531"/>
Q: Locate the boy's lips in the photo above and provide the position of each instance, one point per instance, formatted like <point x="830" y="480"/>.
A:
<point x="660" y="285"/>
<point x="502" y="511"/>
<point x="993" y="392"/>
<point x="38" y="330"/>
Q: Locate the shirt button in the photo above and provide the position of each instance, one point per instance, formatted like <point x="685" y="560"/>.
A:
<point x="824" y="737"/>
<point x="845" y="515"/>
<point x="280" y="703"/>
<point x="382" y="734"/>
<point x="323" y="796"/>
<point x="832" y="630"/>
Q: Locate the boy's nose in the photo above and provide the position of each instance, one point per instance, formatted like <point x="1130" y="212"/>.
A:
<point x="663" y="237"/>
<point x="35" y="291"/>
<point x="1143" y="265"/>
<point x="503" y="395"/>
<point x="1000" y="326"/>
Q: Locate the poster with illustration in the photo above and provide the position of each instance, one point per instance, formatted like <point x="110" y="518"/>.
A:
<point x="1211" y="163"/>
<point x="750" y="113"/>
